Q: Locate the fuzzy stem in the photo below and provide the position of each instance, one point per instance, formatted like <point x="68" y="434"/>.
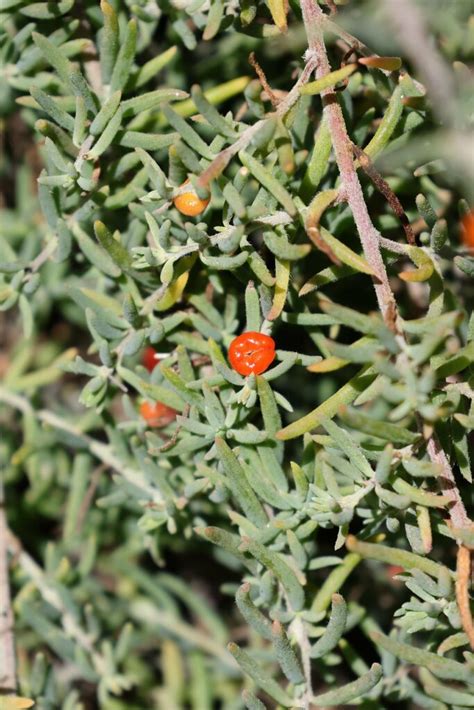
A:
<point x="7" y="643"/>
<point x="314" y="19"/>
<point x="305" y="648"/>
<point x="457" y="511"/>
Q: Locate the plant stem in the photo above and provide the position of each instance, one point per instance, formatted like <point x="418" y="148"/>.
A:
<point x="101" y="451"/>
<point x="7" y="644"/>
<point x="414" y="37"/>
<point x="305" y="648"/>
<point x="457" y="511"/>
<point x="314" y="19"/>
<point x="351" y="41"/>
<point x="222" y="159"/>
<point x="464" y="574"/>
<point x="50" y="595"/>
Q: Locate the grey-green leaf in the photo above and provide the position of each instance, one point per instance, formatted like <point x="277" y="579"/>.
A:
<point x="334" y="629"/>
<point x="351" y="691"/>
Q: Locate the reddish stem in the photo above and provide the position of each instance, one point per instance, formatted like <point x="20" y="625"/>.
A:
<point x="314" y="18"/>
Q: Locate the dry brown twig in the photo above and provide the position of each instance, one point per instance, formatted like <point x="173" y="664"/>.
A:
<point x="223" y="158"/>
<point x="384" y="188"/>
<point x="263" y="80"/>
<point x="464" y="577"/>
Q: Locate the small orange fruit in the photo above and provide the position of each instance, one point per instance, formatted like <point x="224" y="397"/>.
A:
<point x="189" y="204"/>
<point x="467" y="231"/>
<point x="157" y="414"/>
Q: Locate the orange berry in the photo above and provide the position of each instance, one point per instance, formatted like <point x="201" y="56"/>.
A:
<point x="467" y="231"/>
<point x="189" y="204"/>
<point x="157" y="414"/>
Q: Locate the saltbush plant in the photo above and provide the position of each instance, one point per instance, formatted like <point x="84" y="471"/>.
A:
<point x="237" y="355"/>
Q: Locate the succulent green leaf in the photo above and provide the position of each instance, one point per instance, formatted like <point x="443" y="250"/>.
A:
<point x="238" y="484"/>
<point x="107" y="136"/>
<point x="251" y="613"/>
<point x="229" y="542"/>
<point x="286" y="655"/>
<point x="438" y="665"/>
<point x="110" y="40"/>
<point x="276" y="564"/>
<point x="263" y="681"/>
<point x="269" y="182"/>
<point x="390" y="555"/>
<point x="345" y="395"/>
<point x="334" y="629"/>
<point x="325" y="82"/>
<point x="52" y="108"/>
<point x="351" y="691"/>
<point x="125" y="57"/>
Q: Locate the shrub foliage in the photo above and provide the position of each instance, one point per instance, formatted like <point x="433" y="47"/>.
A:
<point x="242" y="553"/>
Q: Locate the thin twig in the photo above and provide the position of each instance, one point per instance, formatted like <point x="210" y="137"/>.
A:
<point x="172" y="440"/>
<point x="44" y="255"/>
<point x="50" y="595"/>
<point x="305" y="648"/>
<point x="462" y="591"/>
<point x="89" y="496"/>
<point x="101" y="451"/>
<point x="7" y="642"/>
<point x="263" y="79"/>
<point x="294" y="93"/>
<point x="413" y="35"/>
<point x="457" y="511"/>
<point x="314" y="19"/>
<point x="371" y="239"/>
<point x="384" y="188"/>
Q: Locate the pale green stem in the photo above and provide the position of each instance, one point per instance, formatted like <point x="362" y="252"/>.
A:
<point x="101" y="451"/>
<point x="7" y="643"/>
<point x="69" y="624"/>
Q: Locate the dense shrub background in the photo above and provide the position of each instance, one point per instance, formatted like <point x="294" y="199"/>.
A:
<point x="128" y="546"/>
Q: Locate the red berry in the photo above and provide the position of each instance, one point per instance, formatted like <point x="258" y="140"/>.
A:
<point x="149" y="359"/>
<point x="252" y="353"/>
<point x="395" y="569"/>
<point x="467" y="231"/>
<point x="157" y="414"/>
